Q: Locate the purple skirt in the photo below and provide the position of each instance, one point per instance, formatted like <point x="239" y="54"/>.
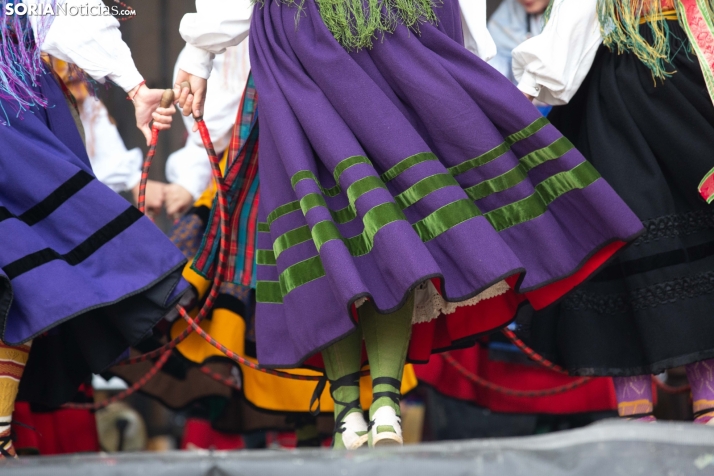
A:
<point x="414" y="160"/>
<point x="82" y="271"/>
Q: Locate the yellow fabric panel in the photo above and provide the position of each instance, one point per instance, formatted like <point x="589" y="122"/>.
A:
<point x="279" y="394"/>
<point x="263" y="390"/>
<point x="224" y="326"/>
<point x="199" y="282"/>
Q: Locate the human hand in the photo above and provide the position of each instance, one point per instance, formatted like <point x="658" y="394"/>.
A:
<point x="190" y="99"/>
<point x="147" y="106"/>
<point x="177" y="200"/>
<point x="155" y="193"/>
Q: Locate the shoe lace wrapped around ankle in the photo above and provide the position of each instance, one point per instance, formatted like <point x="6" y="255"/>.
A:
<point x="5" y="441"/>
<point x="396" y="397"/>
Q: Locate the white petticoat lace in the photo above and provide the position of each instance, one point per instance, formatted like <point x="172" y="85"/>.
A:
<point x="429" y="304"/>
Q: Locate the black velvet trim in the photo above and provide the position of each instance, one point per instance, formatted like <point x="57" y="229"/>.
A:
<point x="660" y="260"/>
<point x="52" y="202"/>
<point x="202" y="212"/>
<point x="251" y="349"/>
<point x="81" y="252"/>
<point x="231" y="303"/>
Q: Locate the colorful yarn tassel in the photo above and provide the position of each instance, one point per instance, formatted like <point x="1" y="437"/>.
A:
<point x="20" y="58"/>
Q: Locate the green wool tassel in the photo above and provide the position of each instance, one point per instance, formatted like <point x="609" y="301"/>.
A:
<point x="620" y="26"/>
<point x="356" y="23"/>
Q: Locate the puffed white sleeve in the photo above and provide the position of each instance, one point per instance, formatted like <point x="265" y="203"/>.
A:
<point x="552" y="66"/>
<point x="477" y="39"/>
<point x="91" y="40"/>
<point x="113" y="165"/>
<point x="190" y="168"/>
<point x="216" y="25"/>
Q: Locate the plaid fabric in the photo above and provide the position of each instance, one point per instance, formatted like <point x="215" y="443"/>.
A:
<point x="242" y="182"/>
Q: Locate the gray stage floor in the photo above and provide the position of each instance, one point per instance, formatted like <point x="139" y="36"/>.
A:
<point x="610" y="448"/>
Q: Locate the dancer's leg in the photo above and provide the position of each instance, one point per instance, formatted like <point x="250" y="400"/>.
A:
<point x="701" y="378"/>
<point x="343" y="361"/>
<point x="386" y="337"/>
<point x="12" y="364"/>
<point x="634" y="397"/>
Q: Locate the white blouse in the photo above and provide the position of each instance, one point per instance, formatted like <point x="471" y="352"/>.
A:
<point x="113" y="165"/>
<point x="552" y="66"/>
<point x="93" y="43"/>
<point x="218" y="24"/>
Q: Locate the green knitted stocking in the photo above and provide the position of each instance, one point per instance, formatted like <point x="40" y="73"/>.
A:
<point x="343" y="362"/>
<point x="386" y="337"/>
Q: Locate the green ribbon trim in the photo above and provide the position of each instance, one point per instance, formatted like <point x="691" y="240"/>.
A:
<point x="374" y="220"/>
<point x="440" y="221"/>
<point x="423" y="188"/>
<point x="405" y="164"/>
<point x="706" y="192"/>
<point x="701" y="56"/>
<point x="341" y="167"/>
<point x="300" y="273"/>
<point x="428" y="228"/>
<point x="290" y="279"/>
<point x="291" y="238"/>
<point x="545" y="193"/>
<point x="283" y="210"/>
<point x="349" y="213"/>
<point x="361" y="244"/>
<point x="269" y="292"/>
<point x="265" y="257"/>
<point x="499" y="150"/>
<point x="445" y="218"/>
<point x="520" y="172"/>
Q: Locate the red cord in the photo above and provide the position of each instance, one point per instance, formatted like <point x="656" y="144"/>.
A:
<point x="131" y="98"/>
<point x="145" y="170"/>
<point x="509" y="391"/>
<point x="228" y="382"/>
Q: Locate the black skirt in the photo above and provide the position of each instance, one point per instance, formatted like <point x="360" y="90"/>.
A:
<point x="653" y="307"/>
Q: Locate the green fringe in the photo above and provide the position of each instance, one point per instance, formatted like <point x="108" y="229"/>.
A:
<point x="548" y="11"/>
<point x="620" y="26"/>
<point x="356" y="23"/>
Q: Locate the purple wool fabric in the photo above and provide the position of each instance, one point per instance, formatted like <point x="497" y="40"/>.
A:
<point x="411" y="93"/>
<point x="76" y="259"/>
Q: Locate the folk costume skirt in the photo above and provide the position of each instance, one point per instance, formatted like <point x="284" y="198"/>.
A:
<point x="410" y="164"/>
<point x="651" y="309"/>
<point x="81" y="270"/>
<point x="264" y="402"/>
